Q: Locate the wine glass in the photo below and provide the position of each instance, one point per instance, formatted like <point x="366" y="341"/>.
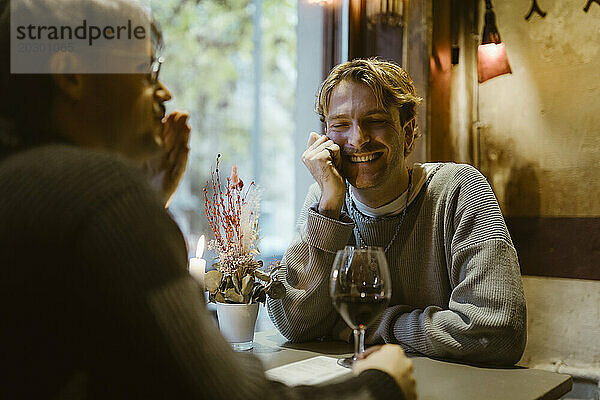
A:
<point x="360" y="288"/>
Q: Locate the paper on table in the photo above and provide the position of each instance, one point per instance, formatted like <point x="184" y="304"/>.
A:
<point x="311" y="371"/>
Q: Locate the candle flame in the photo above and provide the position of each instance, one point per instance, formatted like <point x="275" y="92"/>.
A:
<point x="200" y="247"/>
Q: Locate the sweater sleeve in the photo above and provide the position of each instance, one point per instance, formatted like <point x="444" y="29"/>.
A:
<point x="485" y="319"/>
<point x="135" y="270"/>
<point x="306" y="312"/>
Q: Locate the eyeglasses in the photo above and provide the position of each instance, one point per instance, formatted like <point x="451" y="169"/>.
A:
<point x="155" y="69"/>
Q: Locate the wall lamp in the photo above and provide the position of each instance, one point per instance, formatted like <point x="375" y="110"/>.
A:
<point x="492" y="60"/>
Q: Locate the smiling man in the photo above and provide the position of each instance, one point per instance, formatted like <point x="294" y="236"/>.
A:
<point x="457" y="290"/>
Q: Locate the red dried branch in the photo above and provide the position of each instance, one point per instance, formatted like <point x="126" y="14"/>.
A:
<point x="224" y="213"/>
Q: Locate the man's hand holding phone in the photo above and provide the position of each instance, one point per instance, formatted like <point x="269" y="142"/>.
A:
<point x="323" y="159"/>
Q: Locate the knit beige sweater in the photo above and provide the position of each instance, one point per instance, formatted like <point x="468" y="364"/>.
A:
<point x="457" y="290"/>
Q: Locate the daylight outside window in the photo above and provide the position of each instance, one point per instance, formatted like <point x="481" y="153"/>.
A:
<point x="232" y="65"/>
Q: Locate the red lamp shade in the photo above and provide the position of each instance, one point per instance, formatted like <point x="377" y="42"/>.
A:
<point x="492" y="61"/>
<point x="491" y="54"/>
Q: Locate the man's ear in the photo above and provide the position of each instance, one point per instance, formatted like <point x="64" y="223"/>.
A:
<point x="62" y="67"/>
<point x="409" y="130"/>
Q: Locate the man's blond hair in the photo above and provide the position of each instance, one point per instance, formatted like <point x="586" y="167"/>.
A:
<point x="391" y="85"/>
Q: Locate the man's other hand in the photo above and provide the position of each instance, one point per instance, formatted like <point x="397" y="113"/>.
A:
<point x="390" y="358"/>
<point x="323" y="159"/>
<point x="166" y="170"/>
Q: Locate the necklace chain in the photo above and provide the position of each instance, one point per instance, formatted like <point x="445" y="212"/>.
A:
<point x="408" y="190"/>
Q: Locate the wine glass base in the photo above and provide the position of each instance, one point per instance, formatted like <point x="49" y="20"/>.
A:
<point x="346" y="362"/>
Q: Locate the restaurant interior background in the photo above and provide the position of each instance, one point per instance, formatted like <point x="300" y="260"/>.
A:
<point x="248" y="70"/>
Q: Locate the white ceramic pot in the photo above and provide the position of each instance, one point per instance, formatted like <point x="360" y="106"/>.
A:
<point x="237" y="322"/>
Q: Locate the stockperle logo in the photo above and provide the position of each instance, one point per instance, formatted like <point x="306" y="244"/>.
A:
<point x="80" y="36"/>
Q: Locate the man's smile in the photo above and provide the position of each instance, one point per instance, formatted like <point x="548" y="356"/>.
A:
<point x="364" y="158"/>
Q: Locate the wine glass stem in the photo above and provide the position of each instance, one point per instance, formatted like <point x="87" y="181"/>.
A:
<point x="359" y="341"/>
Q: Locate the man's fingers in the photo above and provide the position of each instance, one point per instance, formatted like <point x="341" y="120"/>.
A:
<point x="312" y="137"/>
<point x="336" y="154"/>
<point x="316" y="144"/>
<point x="182" y="114"/>
<point x="168" y="117"/>
<point x="322" y="144"/>
<point x="312" y="149"/>
<point x="322" y="149"/>
<point x="327" y="149"/>
<point x="183" y="135"/>
<point x="180" y="148"/>
<point x="177" y="114"/>
<point x="176" y="131"/>
<point x="181" y="117"/>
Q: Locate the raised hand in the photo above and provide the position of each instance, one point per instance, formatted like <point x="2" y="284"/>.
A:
<point x="323" y="159"/>
<point x="166" y="170"/>
<point x="390" y="358"/>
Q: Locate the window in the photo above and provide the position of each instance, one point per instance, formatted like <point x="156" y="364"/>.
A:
<point x="232" y="65"/>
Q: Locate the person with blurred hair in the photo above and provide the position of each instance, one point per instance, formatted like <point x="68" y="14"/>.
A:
<point x="95" y="298"/>
<point x="456" y="284"/>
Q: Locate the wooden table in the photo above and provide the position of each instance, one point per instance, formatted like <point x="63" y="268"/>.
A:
<point x="435" y="379"/>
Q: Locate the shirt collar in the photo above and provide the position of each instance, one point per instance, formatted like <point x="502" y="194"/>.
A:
<point x="395" y="207"/>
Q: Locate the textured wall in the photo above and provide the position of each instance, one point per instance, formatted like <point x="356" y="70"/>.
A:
<point x="540" y="140"/>
<point x="540" y="136"/>
<point x="541" y="125"/>
<point x="540" y="150"/>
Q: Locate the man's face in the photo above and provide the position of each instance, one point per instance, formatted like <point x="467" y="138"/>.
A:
<point x="371" y="138"/>
<point x="127" y="110"/>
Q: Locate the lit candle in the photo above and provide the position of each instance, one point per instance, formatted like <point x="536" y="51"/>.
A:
<point x="197" y="264"/>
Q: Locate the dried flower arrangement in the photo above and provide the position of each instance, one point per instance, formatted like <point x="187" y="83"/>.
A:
<point x="233" y="217"/>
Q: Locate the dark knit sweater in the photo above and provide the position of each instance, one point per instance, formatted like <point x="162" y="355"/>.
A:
<point x="95" y="298"/>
